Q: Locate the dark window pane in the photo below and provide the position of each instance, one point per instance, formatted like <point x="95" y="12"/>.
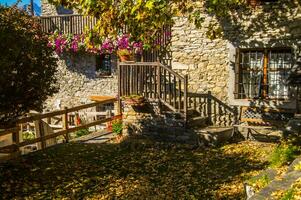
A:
<point x="103" y="65"/>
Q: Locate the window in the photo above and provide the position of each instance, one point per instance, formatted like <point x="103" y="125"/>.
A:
<point x="103" y="65"/>
<point x="262" y="74"/>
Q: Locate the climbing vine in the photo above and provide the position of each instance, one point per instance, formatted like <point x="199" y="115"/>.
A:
<point x="145" y="18"/>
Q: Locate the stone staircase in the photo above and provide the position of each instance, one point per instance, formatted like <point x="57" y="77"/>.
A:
<point x="201" y="114"/>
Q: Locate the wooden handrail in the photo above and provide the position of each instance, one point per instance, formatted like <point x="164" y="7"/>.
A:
<point x="154" y="80"/>
<point x="66" y="130"/>
<point x="61" y="112"/>
<point x="171" y="71"/>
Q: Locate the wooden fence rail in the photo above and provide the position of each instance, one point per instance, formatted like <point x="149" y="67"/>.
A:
<point x="73" y="24"/>
<point x="155" y="81"/>
<point x="66" y="128"/>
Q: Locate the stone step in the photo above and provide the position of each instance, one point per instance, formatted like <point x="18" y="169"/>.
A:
<point x="213" y="135"/>
<point x="283" y="183"/>
<point x="198" y="122"/>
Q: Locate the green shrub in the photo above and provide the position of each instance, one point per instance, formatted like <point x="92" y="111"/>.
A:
<point x="28" y="135"/>
<point x="283" y="154"/>
<point x="117" y="127"/>
<point x="27" y="65"/>
<point x="82" y="132"/>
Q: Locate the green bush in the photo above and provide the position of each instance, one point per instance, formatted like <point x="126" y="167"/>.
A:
<point x="117" y="127"/>
<point x="82" y="132"/>
<point x="283" y="154"/>
<point x="28" y="135"/>
<point x="27" y="65"/>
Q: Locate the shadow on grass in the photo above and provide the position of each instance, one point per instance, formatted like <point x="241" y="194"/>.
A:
<point x="151" y="170"/>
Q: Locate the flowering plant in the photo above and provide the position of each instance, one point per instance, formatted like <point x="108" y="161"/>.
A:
<point x="124" y="44"/>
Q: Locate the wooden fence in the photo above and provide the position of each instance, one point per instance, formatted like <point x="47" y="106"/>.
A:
<point x="66" y="129"/>
<point x="73" y="24"/>
<point x="218" y="113"/>
<point x="77" y="24"/>
<point x="155" y="81"/>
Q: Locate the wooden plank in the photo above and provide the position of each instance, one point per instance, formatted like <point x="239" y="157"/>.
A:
<point x="179" y="96"/>
<point x="169" y="88"/>
<point x="185" y="97"/>
<point x="8" y="131"/>
<point x="174" y="90"/>
<point x="164" y="80"/>
<point x="56" y="134"/>
<point x="102" y="98"/>
<point x="66" y="124"/>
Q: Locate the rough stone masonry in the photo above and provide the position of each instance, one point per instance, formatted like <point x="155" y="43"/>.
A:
<point x="208" y="62"/>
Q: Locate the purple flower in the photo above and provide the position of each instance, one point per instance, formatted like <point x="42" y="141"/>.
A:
<point x="123" y="42"/>
<point x="107" y="46"/>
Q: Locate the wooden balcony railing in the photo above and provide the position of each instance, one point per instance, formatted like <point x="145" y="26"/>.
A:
<point x="73" y="24"/>
<point x="154" y="80"/>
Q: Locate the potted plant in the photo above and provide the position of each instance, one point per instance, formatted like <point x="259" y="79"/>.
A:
<point x="134" y="100"/>
<point x="124" y="55"/>
<point x="117" y="129"/>
<point x="127" y="47"/>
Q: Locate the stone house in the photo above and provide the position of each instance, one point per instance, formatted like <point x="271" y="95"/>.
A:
<point x="247" y="65"/>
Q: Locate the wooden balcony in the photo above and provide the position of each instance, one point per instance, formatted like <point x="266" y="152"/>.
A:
<point x="74" y="24"/>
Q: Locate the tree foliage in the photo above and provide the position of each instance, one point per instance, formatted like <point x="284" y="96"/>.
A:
<point x="145" y="18"/>
<point x="26" y="65"/>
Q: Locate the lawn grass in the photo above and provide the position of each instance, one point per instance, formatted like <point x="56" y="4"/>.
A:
<point x="158" y="171"/>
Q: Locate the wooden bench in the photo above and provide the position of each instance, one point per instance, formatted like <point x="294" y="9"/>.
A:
<point x="256" y="118"/>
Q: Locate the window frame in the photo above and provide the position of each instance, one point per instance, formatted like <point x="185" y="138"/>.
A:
<point x="98" y="65"/>
<point x="265" y="84"/>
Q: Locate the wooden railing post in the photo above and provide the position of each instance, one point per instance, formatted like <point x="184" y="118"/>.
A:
<point x="158" y="95"/>
<point x="42" y="134"/>
<point x="65" y="124"/>
<point x="39" y="131"/>
<point x="71" y="24"/>
<point x="185" y="97"/>
<point x="119" y="89"/>
<point x="16" y="138"/>
<point x="209" y="106"/>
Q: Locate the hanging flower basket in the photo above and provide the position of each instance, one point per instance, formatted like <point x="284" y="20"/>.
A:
<point x="134" y="100"/>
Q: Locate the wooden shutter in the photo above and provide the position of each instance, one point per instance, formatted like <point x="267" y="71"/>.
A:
<point x="237" y="74"/>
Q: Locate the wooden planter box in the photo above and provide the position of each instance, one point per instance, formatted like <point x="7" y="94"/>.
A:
<point x="134" y="101"/>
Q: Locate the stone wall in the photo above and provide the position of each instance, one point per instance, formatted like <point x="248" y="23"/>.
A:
<point x="77" y="80"/>
<point x="146" y="121"/>
<point x="210" y="63"/>
<point x="49" y="9"/>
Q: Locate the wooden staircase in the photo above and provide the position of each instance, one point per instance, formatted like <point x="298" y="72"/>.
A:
<point x="158" y="83"/>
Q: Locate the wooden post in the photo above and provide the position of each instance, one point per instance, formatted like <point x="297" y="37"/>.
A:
<point x="119" y="89"/>
<point x="209" y="106"/>
<point x="71" y="24"/>
<point x="65" y="124"/>
<point x="16" y="138"/>
<point x="298" y="99"/>
<point x="185" y="98"/>
<point x="158" y="95"/>
<point x="42" y="134"/>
